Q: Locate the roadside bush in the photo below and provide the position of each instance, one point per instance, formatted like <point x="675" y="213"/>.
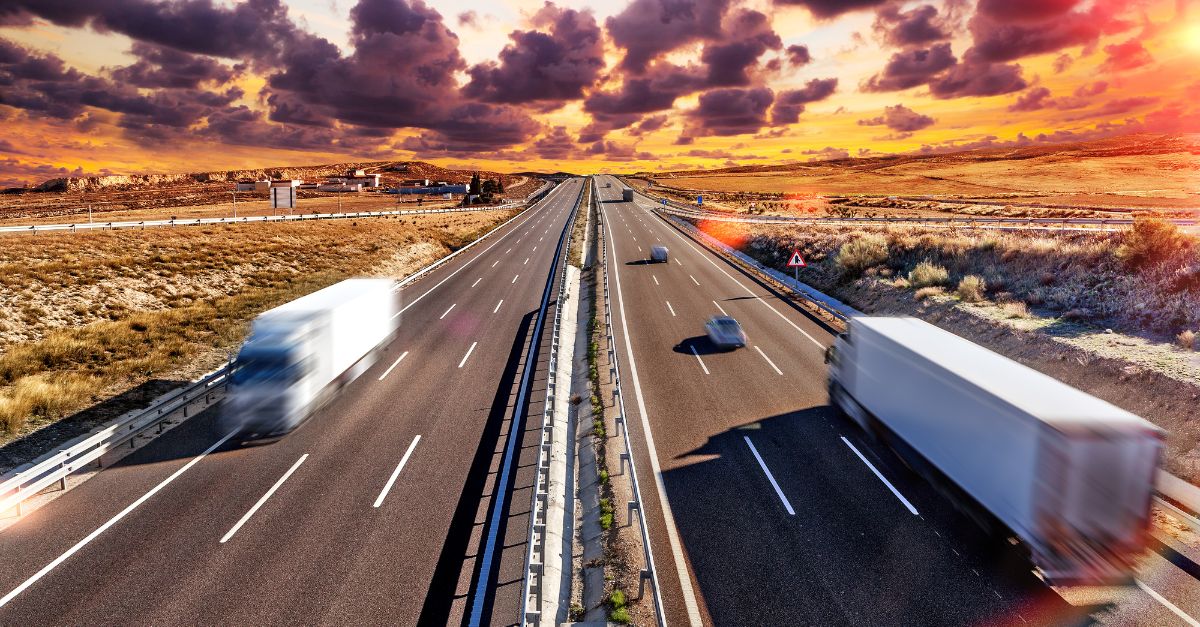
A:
<point x="1153" y="241"/>
<point x="1015" y="309"/>
<point x="1186" y="339"/>
<point x="926" y="292"/>
<point x="928" y="274"/>
<point x="971" y="288"/>
<point x="861" y="253"/>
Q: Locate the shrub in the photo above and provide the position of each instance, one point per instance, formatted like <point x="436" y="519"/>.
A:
<point x="1186" y="339"/>
<point x="1153" y="241"/>
<point x="861" y="253"/>
<point x="926" y="292"/>
<point x="971" y="288"/>
<point x="1015" y="309"/>
<point x="927" y="274"/>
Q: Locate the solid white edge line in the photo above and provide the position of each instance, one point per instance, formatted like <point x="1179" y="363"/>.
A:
<point x="770" y="477"/>
<point x="394" y="364"/>
<point x="248" y="514"/>
<point x="498" y="305"/>
<point x="1167" y="604"/>
<point x="111" y="521"/>
<point x="764" y="356"/>
<point x="469" y="350"/>
<point x="445" y="313"/>
<point x="720" y="308"/>
<point x="685" y="580"/>
<point x="739" y="283"/>
<point x="396" y="473"/>
<point x="882" y="478"/>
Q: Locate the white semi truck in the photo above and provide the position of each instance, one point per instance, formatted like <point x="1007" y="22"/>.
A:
<point x="1069" y="475"/>
<point x="297" y="354"/>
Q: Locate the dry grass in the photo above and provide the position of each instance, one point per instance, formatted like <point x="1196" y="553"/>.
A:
<point x="1186" y="339"/>
<point x="118" y="308"/>
<point x="1152" y="242"/>
<point x="861" y="253"/>
<point x="926" y="292"/>
<point x="1015" y="309"/>
<point x="927" y="274"/>
<point x="971" y="288"/>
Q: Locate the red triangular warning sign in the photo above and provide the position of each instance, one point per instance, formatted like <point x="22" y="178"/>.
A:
<point x="796" y="261"/>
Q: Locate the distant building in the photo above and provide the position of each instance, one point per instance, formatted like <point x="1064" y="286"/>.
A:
<point x="416" y="183"/>
<point x="339" y="186"/>
<point x="354" y="173"/>
<point x="249" y="185"/>
<point x="367" y="180"/>
<point x="286" y="182"/>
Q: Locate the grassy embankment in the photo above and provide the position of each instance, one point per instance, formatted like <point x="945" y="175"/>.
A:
<point x="91" y="315"/>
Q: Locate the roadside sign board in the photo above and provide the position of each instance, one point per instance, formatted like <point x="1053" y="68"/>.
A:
<point x="797" y="261"/>
<point x="664" y="202"/>
<point x="699" y="200"/>
<point x="283" y="197"/>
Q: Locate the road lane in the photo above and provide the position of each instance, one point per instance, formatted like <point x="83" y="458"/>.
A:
<point x="317" y="550"/>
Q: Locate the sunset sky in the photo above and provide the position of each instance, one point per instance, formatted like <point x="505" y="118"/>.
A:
<point x="135" y="86"/>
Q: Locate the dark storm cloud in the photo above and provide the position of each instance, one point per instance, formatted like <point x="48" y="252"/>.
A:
<point x="919" y="26"/>
<point x="746" y="37"/>
<point x="551" y="67"/>
<point x="825" y="9"/>
<point x="978" y="79"/>
<point x="555" y="144"/>
<point x="649" y="124"/>
<point x="798" y="55"/>
<point x="1032" y="100"/>
<point x="158" y="66"/>
<point x="1006" y="31"/>
<point x="730" y="111"/>
<point x="790" y="104"/>
<point x="646" y="29"/>
<point x="910" y="68"/>
<point x="900" y="118"/>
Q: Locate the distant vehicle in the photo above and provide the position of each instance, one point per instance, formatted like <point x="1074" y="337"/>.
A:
<point x="658" y="254"/>
<point x="1069" y="475"/>
<point x="725" y="332"/>
<point x="627" y="194"/>
<point x="608" y="184"/>
<point x="301" y="352"/>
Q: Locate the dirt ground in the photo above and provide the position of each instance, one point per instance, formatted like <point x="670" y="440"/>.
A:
<point x="90" y="316"/>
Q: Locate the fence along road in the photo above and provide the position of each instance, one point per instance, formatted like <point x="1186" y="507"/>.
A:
<point x="141" y="541"/>
<point x="784" y="514"/>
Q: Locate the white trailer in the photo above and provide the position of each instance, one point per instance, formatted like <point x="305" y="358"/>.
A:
<point x="300" y="352"/>
<point x="1071" y="476"/>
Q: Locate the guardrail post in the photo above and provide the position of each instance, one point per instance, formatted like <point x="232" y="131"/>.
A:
<point x="643" y="577"/>
<point x="624" y="459"/>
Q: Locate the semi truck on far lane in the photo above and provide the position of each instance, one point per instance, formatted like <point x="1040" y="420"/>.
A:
<point x="1067" y="474"/>
<point x="301" y="352"/>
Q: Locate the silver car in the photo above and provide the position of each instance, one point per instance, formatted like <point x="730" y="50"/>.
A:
<point x="725" y="332"/>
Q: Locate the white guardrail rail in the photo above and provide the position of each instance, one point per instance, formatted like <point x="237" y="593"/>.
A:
<point x="27" y="481"/>
<point x="54" y="467"/>
<point x="650" y="572"/>
<point x="1053" y="224"/>
<point x="141" y="224"/>
<point x="531" y="599"/>
<point x="1175" y="495"/>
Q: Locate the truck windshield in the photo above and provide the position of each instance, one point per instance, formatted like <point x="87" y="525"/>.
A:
<point x="264" y="368"/>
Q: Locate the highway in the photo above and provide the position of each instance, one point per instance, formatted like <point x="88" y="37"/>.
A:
<point x="369" y="513"/>
<point x="764" y="507"/>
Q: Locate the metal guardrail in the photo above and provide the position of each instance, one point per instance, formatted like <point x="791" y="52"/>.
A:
<point x="531" y="599"/>
<point x="75" y="227"/>
<point x="25" y="483"/>
<point x="650" y="572"/>
<point x="1055" y="224"/>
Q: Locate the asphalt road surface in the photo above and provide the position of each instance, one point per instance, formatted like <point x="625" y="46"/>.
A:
<point x="364" y="515"/>
<point x="764" y="507"/>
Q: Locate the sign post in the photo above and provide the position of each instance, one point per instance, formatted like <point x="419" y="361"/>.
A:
<point x="796" y="262"/>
